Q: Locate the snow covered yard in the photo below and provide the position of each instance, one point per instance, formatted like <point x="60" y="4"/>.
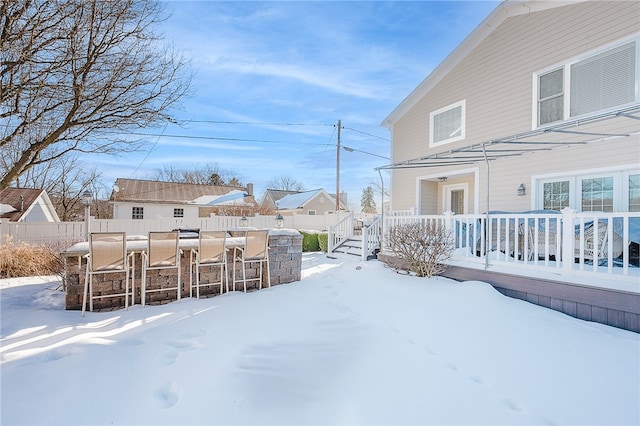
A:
<point x="351" y="343"/>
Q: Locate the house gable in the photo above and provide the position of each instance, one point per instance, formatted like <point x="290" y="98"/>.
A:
<point x="27" y="205"/>
<point x="494" y="75"/>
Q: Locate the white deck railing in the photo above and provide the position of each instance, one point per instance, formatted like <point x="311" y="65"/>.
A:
<point x="339" y="232"/>
<point x="371" y="237"/>
<point x="569" y="244"/>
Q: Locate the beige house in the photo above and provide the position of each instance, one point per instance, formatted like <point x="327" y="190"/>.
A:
<point x="145" y="199"/>
<point x="538" y="108"/>
<point x="317" y="201"/>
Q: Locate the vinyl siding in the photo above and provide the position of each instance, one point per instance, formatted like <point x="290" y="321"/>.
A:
<point x="496" y="79"/>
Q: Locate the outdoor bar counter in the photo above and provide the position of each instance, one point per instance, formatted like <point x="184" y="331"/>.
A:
<point x="285" y="266"/>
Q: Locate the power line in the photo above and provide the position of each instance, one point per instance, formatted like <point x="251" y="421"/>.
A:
<point x="257" y="123"/>
<point x="368" y="134"/>
<point x="205" y="137"/>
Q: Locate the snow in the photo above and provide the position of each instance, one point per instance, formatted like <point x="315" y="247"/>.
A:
<point x="351" y="343"/>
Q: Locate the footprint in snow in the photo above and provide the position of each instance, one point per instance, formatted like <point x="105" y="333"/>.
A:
<point x="168" y="395"/>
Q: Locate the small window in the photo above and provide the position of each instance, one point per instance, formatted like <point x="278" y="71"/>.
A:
<point x="634" y="193"/>
<point x="597" y="194"/>
<point x="448" y="123"/>
<point x="312" y="212"/>
<point x="137" y="213"/>
<point x="550" y="97"/>
<point x="556" y="195"/>
<point x="178" y="212"/>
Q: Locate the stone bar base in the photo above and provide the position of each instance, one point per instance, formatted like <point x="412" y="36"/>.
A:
<point x="285" y="266"/>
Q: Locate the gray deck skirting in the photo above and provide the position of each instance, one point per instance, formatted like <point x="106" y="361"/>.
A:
<point x="611" y="307"/>
<point x="615" y="308"/>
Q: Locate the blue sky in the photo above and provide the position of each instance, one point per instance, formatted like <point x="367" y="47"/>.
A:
<point x="275" y="78"/>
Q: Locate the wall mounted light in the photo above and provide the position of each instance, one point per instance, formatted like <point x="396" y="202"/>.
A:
<point x="521" y="190"/>
<point x="244" y="222"/>
<point x="279" y="221"/>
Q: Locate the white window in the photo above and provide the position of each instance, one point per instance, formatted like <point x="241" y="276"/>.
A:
<point x="137" y="212"/>
<point x="600" y="81"/>
<point x="448" y="124"/>
<point x="551" y="96"/>
<point x="597" y="194"/>
<point x="178" y="212"/>
<point x="555" y="195"/>
<point x="634" y="192"/>
<point x="603" y="191"/>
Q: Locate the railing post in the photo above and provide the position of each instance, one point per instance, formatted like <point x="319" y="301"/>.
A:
<point x="365" y="243"/>
<point x="448" y="221"/>
<point x="330" y="233"/>
<point x="568" y="240"/>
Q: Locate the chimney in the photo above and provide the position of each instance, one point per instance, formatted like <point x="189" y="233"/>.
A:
<point x="250" y="189"/>
<point x="21" y="203"/>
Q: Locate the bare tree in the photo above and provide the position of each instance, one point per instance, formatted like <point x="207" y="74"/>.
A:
<point x="208" y="174"/>
<point x="79" y="76"/>
<point x="65" y="180"/>
<point x="286" y="183"/>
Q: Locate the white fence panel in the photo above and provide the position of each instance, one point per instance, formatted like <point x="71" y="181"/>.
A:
<point x="72" y="232"/>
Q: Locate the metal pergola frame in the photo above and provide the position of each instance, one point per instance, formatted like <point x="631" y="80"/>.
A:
<point x="626" y="120"/>
<point x="542" y="139"/>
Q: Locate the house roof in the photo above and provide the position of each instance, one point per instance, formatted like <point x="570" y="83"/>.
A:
<point x="16" y="203"/>
<point x="299" y="199"/>
<point x="504" y="10"/>
<point x="277" y="194"/>
<point x="146" y="191"/>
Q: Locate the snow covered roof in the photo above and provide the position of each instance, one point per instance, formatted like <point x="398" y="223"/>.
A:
<point x="295" y="201"/>
<point x="145" y="191"/>
<point x="233" y="198"/>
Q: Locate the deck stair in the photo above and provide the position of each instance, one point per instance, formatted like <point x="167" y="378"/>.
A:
<point x="352" y="245"/>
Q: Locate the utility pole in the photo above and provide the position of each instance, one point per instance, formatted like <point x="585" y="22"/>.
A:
<point x="338" y="169"/>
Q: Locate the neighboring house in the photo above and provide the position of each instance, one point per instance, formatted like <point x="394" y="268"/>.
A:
<point x="317" y="201"/>
<point x="144" y="199"/>
<point x="538" y="108"/>
<point x="27" y="205"/>
<point x="271" y="196"/>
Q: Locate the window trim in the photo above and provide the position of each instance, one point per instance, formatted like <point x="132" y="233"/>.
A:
<point x="134" y="215"/>
<point x="446" y="196"/>
<point x="566" y="66"/>
<point x="620" y="176"/>
<point x="463" y="120"/>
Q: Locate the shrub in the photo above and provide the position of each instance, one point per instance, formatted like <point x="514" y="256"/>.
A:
<point x="310" y="241"/>
<point x="420" y="248"/>
<point x="26" y="260"/>
<point x="323" y="241"/>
